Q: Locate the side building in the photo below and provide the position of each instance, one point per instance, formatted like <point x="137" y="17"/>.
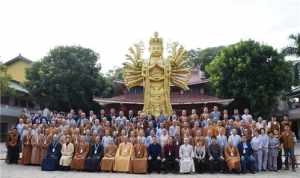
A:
<point x="18" y="101"/>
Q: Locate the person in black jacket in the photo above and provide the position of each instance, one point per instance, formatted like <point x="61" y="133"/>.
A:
<point x="95" y="155"/>
<point x="246" y="153"/>
<point x="170" y="161"/>
<point x="154" y="156"/>
<point x="51" y="160"/>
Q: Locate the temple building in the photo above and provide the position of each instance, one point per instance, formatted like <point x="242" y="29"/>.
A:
<point x="197" y="97"/>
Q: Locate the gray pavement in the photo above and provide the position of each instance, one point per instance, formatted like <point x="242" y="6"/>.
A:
<point x="21" y="171"/>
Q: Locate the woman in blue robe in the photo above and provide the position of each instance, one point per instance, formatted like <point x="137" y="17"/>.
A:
<point x="92" y="162"/>
<point x="51" y="160"/>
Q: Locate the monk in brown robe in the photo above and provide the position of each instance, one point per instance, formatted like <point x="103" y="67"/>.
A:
<point x="108" y="160"/>
<point x="81" y="151"/>
<point x="76" y="136"/>
<point x="12" y="146"/>
<point x="45" y="140"/>
<point x="26" y="149"/>
<point x="232" y="157"/>
<point x="36" y="148"/>
<point x="139" y="158"/>
<point x="123" y="156"/>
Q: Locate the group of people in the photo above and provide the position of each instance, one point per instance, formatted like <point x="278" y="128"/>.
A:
<point x="139" y="143"/>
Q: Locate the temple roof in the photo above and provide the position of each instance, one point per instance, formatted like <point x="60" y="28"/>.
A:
<point x="18" y="58"/>
<point x="176" y="99"/>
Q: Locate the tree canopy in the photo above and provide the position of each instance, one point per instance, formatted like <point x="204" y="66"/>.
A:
<point x="203" y="57"/>
<point x="252" y="72"/>
<point x="293" y="49"/>
<point x="68" y="77"/>
<point x="4" y="81"/>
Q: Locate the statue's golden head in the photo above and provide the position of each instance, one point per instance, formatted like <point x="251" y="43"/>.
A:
<point x="156" y="46"/>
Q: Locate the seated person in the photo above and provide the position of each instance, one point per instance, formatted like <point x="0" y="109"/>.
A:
<point x="200" y="156"/>
<point x="108" y="159"/>
<point x="246" y="153"/>
<point x="92" y="162"/>
<point x="216" y="160"/>
<point x="51" y="160"/>
<point x="66" y="153"/>
<point x="186" y="163"/>
<point x="170" y="161"/>
<point x="154" y="156"/>
<point x="232" y="157"/>
<point x="81" y="151"/>
<point x="123" y="156"/>
<point x="139" y="159"/>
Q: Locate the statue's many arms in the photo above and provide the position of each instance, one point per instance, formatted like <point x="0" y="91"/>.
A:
<point x="157" y="74"/>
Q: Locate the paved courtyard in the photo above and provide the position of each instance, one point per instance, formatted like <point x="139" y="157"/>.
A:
<point x="21" y="171"/>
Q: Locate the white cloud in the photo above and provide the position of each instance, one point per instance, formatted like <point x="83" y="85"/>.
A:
<point x="32" y="27"/>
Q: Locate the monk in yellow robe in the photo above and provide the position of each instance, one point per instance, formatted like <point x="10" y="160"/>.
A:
<point x="123" y="156"/>
<point x="232" y="157"/>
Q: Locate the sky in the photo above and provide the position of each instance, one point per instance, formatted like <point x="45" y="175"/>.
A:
<point x="110" y="27"/>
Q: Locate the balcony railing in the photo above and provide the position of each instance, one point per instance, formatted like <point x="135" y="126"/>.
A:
<point x="13" y="111"/>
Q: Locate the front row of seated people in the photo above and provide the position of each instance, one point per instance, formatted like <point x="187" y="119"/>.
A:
<point x="138" y="159"/>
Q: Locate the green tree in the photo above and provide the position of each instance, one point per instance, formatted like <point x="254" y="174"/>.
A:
<point x="294" y="49"/>
<point x="253" y="73"/>
<point x="68" y="77"/>
<point x="116" y="74"/>
<point x="4" y="81"/>
<point x="203" y="57"/>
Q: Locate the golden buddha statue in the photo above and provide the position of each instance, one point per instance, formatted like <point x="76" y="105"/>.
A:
<point x="157" y="74"/>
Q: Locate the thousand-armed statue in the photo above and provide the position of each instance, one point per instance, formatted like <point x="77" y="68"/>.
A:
<point x="157" y="73"/>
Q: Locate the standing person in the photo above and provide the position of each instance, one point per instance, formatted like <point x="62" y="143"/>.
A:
<point x="247" y="116"/>
<point x="222" y="140"/>
<point x="265" y="148"/>
<point x="92" y="162"/>
<point x="216" y="160"/>
<point x="66" y="154"/>
<point x="186" y="154"/>
<point x="51" y="160"/>
<point x="256" y="144"/>
<point x="154" y="156"/>
<point x="246" y="153"/>
<point x="107" y="138"/>
<point x="26" y="149"/>
<point x="287" y="140"/>
<point x="45" y="140"/>
<point x="170" y="158"/>
<point x="215" y="115"/>
<point x="36" y="148"/>
<point x="12" y="146"/>
<point x="234" y="138"/>
<point x="81" y="151"/>
<point x="274" y="145"/>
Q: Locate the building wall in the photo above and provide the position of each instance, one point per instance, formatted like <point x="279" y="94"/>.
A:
<point x="17" y="70"/>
